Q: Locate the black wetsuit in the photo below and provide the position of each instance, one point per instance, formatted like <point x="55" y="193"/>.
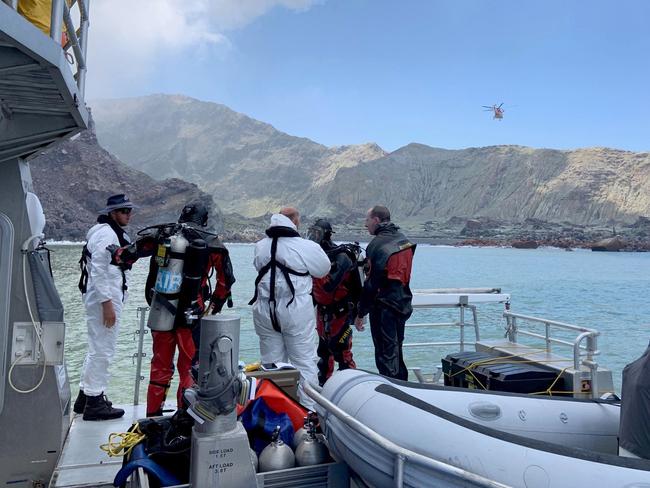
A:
<point x="386" y="297"/>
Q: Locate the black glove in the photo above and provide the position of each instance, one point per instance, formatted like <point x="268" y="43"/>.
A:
<point x="218" y="303"/>
<point x="123" y="256"/>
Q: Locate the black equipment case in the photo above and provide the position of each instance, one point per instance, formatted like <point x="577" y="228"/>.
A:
<point x="480" y="370"/>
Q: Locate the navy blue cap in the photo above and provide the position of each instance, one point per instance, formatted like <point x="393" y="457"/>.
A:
<point x="116" y="202"/>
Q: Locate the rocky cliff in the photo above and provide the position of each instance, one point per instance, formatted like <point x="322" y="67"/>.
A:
<point x="251" y="168"/>
<point x="513" y="183"/>
<point x="74" y="179"/>
<point x="248" y="166"/>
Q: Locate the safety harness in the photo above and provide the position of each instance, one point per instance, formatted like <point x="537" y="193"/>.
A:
<point x="272" y="266"/>
<point x="86" y="255"/>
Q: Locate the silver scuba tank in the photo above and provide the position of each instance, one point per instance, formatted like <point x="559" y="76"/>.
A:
<point x="300" y="435"/>
<point x="303" y="432"/>
<point x="254" y="460"/>
<point x="277" y="455"/>
<point x="311" y="451"/>
<point x="169" y="257"/>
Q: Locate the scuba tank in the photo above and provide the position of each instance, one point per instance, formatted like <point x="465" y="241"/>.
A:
<point x="277" y="455"/>
<point x="303" y="432"/>
<point x="300" y="435"/>
<point x="196" y="261"/>
<point x="170" y="257"/>
<point x="312" y="450"/>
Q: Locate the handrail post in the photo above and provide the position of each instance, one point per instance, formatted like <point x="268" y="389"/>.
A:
<point x="141" y="313"/>
<point x="463" y="301"/>
<point x="56" y="20"/>
<point x="477" y="332"/>
<point x="462" y="328"/>
<point x="547" y="327"/>
<point x="576" y="349"/>
<point x="511" y="320"/>
<point x="398" y="475"/>
<point x="592" y="346"/>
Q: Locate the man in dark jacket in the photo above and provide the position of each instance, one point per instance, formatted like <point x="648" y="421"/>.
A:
<point x="336" y="297"/>
<point x="386" y="293"/>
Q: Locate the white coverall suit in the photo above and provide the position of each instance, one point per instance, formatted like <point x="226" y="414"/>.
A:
<point x="297" y="343"/>
<point x="104" y="283"/>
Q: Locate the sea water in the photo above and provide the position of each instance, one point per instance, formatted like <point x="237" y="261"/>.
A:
<point x="605" y="291"/>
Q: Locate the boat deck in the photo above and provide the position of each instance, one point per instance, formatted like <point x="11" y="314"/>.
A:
<point x="82" y="462"/>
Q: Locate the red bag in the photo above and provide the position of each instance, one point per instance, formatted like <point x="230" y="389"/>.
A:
<point x="278" y="401"/>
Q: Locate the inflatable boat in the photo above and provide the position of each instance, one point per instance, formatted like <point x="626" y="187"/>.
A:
<point x="513" y="439"/>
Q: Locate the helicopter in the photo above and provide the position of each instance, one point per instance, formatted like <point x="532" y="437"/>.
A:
<point x="496" y="109"/>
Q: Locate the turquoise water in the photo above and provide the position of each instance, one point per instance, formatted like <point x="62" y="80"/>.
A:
<point x="605" y="291"/>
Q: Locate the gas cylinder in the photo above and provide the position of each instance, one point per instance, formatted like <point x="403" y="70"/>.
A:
<point x="303" y="432"/>
<point x="311" y="451"/>
<point x="254" y="459"/>
<point x="170" y="259"/>
<point x="277" y="455"/>
<point x="300" y="435"/>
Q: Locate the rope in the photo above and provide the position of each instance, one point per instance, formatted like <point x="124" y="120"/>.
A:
<point x="124" y="446"/>
<point x="505" y="360"/>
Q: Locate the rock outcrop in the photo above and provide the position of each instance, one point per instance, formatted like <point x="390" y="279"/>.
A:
<point x="74" y="179"/>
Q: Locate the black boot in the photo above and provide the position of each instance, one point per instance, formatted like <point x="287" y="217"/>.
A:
<point x="79" y="403"/>
<point x="99" y="408"/>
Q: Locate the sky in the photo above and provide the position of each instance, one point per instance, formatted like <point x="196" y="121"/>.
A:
<point x="570" y="73"/>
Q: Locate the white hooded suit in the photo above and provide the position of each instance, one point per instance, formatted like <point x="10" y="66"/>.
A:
<point x="297" y="341"/>
<point x="105" y="283"/>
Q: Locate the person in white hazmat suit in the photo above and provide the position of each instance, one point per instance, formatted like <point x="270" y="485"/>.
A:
<point x="283" y="310"/>
<point x="104" y="288"/>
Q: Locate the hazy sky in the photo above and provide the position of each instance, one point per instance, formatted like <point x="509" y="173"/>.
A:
<point x="571" y="73"/>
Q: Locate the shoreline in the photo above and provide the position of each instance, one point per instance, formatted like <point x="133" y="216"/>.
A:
<point x="566" y="245"/>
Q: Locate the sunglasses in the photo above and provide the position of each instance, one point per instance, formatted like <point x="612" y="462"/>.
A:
<point x="124" y="210"/>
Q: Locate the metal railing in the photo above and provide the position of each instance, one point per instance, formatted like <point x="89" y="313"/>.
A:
<point x="461" y="324"/>
<point x="77" y="38"/>
<point x="584" y="346"/>
<point x="462" y="305"/>
<point x="583" y="354"/>
<point x="402" y="457"/>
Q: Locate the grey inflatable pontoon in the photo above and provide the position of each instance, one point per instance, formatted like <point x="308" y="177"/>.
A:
<point x="513" y="439"/>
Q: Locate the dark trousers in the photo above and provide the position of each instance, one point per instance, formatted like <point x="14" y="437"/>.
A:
<point x="334" y="344"/>
<point x="387" y="328"/>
